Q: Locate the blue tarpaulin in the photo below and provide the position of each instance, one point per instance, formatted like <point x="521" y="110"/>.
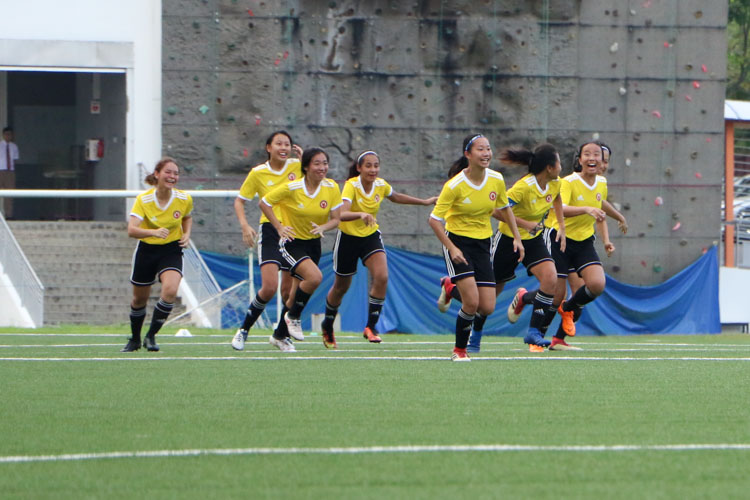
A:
<point x="686" y="303"/>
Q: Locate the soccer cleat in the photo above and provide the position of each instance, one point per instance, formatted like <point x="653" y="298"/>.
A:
<point x="568" y="325"/>
<point x="150" y="344"/>
<point x="371" y="335"/>
<point x="475" y="341"/>
<point x="132" y="345"/>
<point x="283" y="345"/>
<point x="534" y="337"/>
<point x="516" y="306"/>
<point x="444" y="300"/>
<point x="561" y="345"/>
<point x="328" y="339"/>
<point x="535" y="348"/>
<point x="459" y="355"/>
<point x="294" y="326"/>
<point x="238" y="342"/>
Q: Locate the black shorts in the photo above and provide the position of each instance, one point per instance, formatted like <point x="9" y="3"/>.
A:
<point x="149" y="261"/>
<point x="577" y="255"/>
<point x="505" y="260"/>
<point x="297" y="250"/>
<point x="348" y="249"/>
<point x="477" y="253"/>
<point x="268" y="247"/>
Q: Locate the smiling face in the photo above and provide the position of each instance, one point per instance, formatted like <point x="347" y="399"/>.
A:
<point x="318" y="168"/>
<point x="279" y="149"/>
<point x="590" y="159"/>
<point x="480" y="153"/>
<point x="167" y="176"/>
<point x="369" y="168"/>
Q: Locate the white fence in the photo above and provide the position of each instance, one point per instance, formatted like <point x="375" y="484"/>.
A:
<point x="23" y="281"/>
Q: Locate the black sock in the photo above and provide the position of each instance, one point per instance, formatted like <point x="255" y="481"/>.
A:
<point x="577" y="314"/>
<point x="330" y="316"/>
<point x="161" y="313"/>
<point x="560" y="332"/>
<point x="300" y="301"/>
<point x="579" y="299"/>
<point x="375" y="305"/>
<point x="528" y="297"/>
<point x="549" y="315"/>
<point x="253" y="312"/>
<point x="281" y="331"/>
<point x="479" y="320"/>
<point x="463" y="328"/>
<point x="137" y="316"/>
<point x="455" y="294"/>
<point x="542" y="305"/>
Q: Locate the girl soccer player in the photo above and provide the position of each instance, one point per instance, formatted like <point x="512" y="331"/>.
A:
<point x="309" y="207"/>
<point x="530" y="198"/>
<point x="359" y="238"/>
<point x="161" y="220"/>
<point x="574" y="280"/>
<point x="582" y="196"/>
<point x="461" y="221"/>
<point x="279" y="169"/>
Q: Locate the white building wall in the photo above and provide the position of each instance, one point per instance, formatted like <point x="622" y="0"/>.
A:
<point x="91" y="35"/>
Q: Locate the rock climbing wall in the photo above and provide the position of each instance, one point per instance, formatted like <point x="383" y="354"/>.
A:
<point x="410" y="79"/>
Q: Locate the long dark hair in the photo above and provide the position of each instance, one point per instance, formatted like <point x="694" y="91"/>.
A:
<point x="576" y="164"/>
<point x="274" y="134"/>
<point x="463" y="162"/>
<point x="543" y="156"/>
<point x="151" y="178"/>
<point x="307" y="157"/>
<point x="353" y="172"/>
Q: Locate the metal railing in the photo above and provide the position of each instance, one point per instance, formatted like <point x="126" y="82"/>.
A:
<point x="24" y="280"/>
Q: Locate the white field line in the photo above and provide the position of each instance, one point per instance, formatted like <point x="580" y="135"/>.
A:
<point x="460" y="448"/>
<point x="279" y="357"/>
<point x="397" y="347"/>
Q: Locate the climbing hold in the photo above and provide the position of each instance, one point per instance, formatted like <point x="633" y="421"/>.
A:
<point x="696" y="85"/>
<point x="656" y="113"/>
<point x="698" y="175"/>
<point x="676" y="226"/>
<point x="623" y="91"/>
<point x="688" y="98"/>
<point x="171" y="110"/>
<point x="204" y="109"/>
<point x="657" y="268"/>
<point x="613" y="48"/>
<point x="659" y="201"/>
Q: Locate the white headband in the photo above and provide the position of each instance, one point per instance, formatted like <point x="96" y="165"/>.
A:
<point x="468" y="146"/>
<point x="359" y="158"/>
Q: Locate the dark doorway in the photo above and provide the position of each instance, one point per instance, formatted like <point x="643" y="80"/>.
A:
<point x="53" y="115"/>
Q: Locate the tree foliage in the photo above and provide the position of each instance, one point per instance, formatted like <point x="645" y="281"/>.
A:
<point x="738" y="56"/>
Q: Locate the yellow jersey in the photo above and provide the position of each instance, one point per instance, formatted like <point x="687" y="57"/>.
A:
<point x="299" y="209"/>
<point x="262" y="179"/>
<point x="530" y="202"/>
<point x="575" y="192"/>
<point x="153" y="216"/>
<point x="363" y="202"/>
<point x="466" y="208"/>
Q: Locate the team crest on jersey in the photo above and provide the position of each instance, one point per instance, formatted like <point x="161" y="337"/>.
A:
<point x="323" y="204"/>
<point x="549" y="198"/>
<point x="493" y="195"/>
<point x="377" y="198"/>
<point x="176" y="214"/>
<point x="291" y="176"/>
<point x="598" y="196"/>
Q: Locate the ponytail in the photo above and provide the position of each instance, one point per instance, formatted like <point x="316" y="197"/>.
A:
<point x="536" y="161"/>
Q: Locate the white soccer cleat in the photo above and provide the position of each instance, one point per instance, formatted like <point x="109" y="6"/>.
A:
<point x="283" y="345"/>
<point x="294" y="326"/>
<point x="238" y="341"/>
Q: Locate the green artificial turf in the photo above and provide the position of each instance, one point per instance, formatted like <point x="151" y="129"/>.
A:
<point x="68" y="391"/>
